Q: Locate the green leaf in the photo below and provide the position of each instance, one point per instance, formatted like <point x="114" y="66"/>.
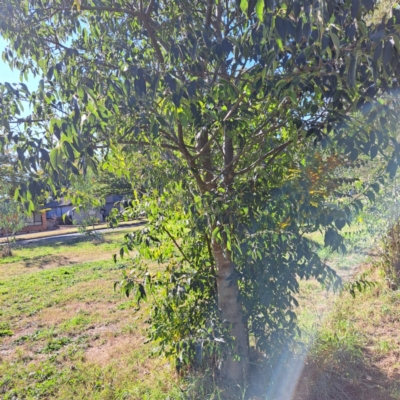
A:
<point x="292" y="96"/>
<point x="260" y="10"/>
<point x="391" y="168"/>
<point x="376" y="187"/>
<point x="244" y="6"/>
<point x="335" y="40"/>
<point x="388" y="51"/>
<point x="371" y="196"/>
<point x="56" y="158"/>
<point x="215" y="232"/>
<point x="352" y="71"/>
<point x="373" y="151"/>
<point x="353" y="155"/>
<point x="279" y="43"/>
<point x="340" y="223"/>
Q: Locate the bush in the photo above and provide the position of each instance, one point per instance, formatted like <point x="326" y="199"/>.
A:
<point x="390" y="255"/>
<point x="12" y="219"/>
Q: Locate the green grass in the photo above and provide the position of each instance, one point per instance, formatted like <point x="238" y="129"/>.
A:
<point x="315" y="301"/>
<point x="29" y="253"/>
<point x="352" y="344"/>
<point x="66" y="334"/>
<point x="354" y="347"/>
<point x="359" y="241"/>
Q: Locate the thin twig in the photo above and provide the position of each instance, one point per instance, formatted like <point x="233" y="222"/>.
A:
<point x="176" y="244"/>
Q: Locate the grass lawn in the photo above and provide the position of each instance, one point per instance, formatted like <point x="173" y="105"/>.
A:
<point x="65" y="334"/>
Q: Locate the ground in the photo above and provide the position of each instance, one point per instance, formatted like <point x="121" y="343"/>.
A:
<point x="355" y="354"/>
<point x="64" y="332"/>
<point x="353" y="350"/>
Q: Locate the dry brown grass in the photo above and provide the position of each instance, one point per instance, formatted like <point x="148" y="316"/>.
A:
<point x="357" y="353"/>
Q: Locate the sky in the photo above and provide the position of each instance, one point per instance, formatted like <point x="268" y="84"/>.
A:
<point x="12" y="76"/>
<point x="6" y="74"/>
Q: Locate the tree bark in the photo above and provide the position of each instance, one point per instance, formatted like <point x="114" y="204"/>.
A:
<point x="8" y="252"/>
<point x="231" y="313"/>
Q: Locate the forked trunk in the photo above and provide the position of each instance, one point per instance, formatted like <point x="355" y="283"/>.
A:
<point x="231" y="312"/>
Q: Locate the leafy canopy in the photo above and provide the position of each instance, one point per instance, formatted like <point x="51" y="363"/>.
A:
<point x="235" y="100"/>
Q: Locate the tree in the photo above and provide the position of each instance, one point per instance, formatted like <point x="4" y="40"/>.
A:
<point x="12" y="220"/>
<point x="107" y="184"/>
<point x="10" y="175"/>
<point x="232" y="96"/>
<point x="12" y="216"/>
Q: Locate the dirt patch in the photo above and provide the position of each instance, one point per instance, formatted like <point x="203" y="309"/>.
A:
<point x="323" y="384"/>
<point x="25" y="353"/>
<point x="390" y="364"/>
<point x="28" y="329"/>
<point x="113" y="347"/>
<point x="358" y="357"/>
<point x="8" y="344"/>
<point x="49" y="261"/>
<point x="53" y="316"/>
<point x="53" y="261"/>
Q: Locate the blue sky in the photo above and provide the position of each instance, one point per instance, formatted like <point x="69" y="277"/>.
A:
<point x="6" y="74"/>
<point x="9" y="75"/>
<point x="12" y="76"/>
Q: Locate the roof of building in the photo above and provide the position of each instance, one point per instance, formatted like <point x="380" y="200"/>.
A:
<point x="58" y="203"/>
<point x="64" y="202"/>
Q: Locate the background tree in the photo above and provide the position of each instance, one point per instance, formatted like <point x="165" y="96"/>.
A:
<point x="107" y="184"/>
<point x="12" y="217"/>
<point x="233" y="96"/>
<point x="10" y="175"/>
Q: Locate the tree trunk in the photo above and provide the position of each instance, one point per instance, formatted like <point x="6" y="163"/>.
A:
<point x="7" y="252"/>
<point x="231" y="312"/>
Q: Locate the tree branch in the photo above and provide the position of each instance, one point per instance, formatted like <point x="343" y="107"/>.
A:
<point x="274" y="153"/>
<point x="144" y="17"/>
<point x="142" y="143"/>
<point x="176" y="244"/>
<point x="206" y="146"/>
<point x="150" y="7"/>
<point x="234" y="107"/>
<point x="109" y="9"/>
<point x="193" y="167"/>
<point x="209" y="12"/>
<point x="246" y="149"/>
<point x="152" y="34"/>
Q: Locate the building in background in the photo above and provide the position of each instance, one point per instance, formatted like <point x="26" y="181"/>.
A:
<point x="62" y="212"/>
<point x="37" y="222"/>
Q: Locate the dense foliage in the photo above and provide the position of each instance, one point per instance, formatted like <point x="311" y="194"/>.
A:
<point x="236" y="100"/>
<point x="10" y="175"/>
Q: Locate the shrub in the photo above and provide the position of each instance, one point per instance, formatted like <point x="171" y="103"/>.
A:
<point x="390" y="255"/>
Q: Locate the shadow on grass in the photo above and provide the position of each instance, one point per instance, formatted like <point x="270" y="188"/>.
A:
<point x="43" y="261"/>
<point x="66" y="242"/>
<point x="344" y="375"/>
